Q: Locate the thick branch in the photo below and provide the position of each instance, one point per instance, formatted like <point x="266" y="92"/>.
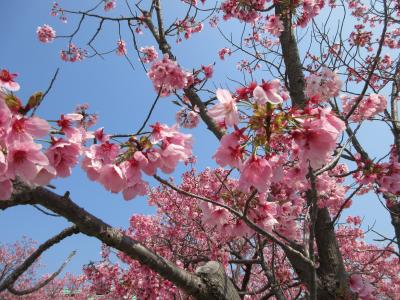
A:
<point x="45" y="282"/>
<point x="92" y="226"/>
<point x="291" y="57"/>
<point x="9" y="281"/>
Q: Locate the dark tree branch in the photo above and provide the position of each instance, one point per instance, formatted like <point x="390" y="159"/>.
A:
<point x="88" y="224"/>
<point x="10" y="280"/>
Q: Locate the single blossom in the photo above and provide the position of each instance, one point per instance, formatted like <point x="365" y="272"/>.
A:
<point x="63" y="156"/>
<point x="226" y="110"/>
<point x="268" y="92"/>
<point x="110" y="4"/>
<point x="112" y="178"/>
<point x="24" y="129"/>
<point x="7" y="81"/>
<point x="230" y="152"/>
<point x="255" y="172"/>
<point x="23" y="159"/>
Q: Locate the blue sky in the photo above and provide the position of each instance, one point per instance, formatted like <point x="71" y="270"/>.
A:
<point x="121" y="97"/>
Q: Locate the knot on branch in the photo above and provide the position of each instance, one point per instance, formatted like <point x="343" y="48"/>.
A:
<point x="217" y="282"/>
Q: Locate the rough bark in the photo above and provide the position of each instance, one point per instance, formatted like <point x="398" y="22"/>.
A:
<point x="332" y="280"/>
<point x="213" y="274"/>
<point x="199" y="287"/>
<point x="291" y="58"/>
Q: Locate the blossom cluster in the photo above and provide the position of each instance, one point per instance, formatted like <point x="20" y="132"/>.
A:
<point x="366" y="109"/>
<point x="117" y="166"/>
<point x="121" y="48"/>
<point x="310" y="9"/>
<point x="46" y="33"/>
<point x="22" y="157"/>
<point x="274" y="25"/>
<point x="187" y="118"/>
<point x="120" y="170"/>
<point x="386" y="175"/>
<point x="323" y="85"/>
<point x="73" y="53"/>
<point x="223" y="52"/>
<point x="149" y="54"/>
<point x="188" y="27"/>
<point x="243" y="10"/>
<point x="167" y="76"/>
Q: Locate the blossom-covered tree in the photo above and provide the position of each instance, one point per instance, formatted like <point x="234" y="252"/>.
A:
<point x="267" y="222"/>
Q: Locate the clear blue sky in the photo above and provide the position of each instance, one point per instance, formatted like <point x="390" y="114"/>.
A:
<point x="121" y="97"/>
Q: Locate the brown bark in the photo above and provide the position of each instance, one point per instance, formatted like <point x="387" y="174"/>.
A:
<point x="201" y="287"/>
<point x="332" y="280"/>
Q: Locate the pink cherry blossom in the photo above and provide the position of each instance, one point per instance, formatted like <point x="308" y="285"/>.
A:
<point x="110" y="4"/>
<point x="23" y="159"/>
<point x="7" y="81"/>
<point x="167" y="76"/>
<point x="230" y="152"/>
<point x="362" y="288"/>
<point x="46" y="33"/>
<point x="112" y="178"/>
<point x="121" y="48"/>
<point x="226" y="110"/>
<point x="274" y="25"/>
<point x="317" y="137"/>
<point x="45" y="174"/>
<point x="323" y="86"/>
<point x="247" y="11"/>
<point x="3" y="163"/>
<point x="149" y="54"/>
<point x="66" y="123"/>
<point x="97" y="156"/>
<point x="367" y="108"/>
<point x="5" y="117"/>
<point x="6" y="188"/>
<point x="176" y="148"/>
<point x="161" y="131"/>
<point x="268" y="92"/>
<point x="255" y="172"/>
<point x="223" y="52"/>
<point x="208" y="71"/>
<point x="100" y="136"/>
<point x="73" y="53"/>
<point x="135" y="189"/>
<point x="63" y="156"/>
<point x="187" y="118"/>
<point x="24" y="129"/>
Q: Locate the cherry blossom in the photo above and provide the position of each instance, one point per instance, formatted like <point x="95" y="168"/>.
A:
<point x="367" y="108"/>
<point x="121" y="48"/>
<point x="187" y="118"/>
<point x="46" y="33"/>
<point x="7" y="81"/>
<point x="149" y="54"/>
<point x="167" y="76"/>
<point x="226" y="110"/>
<point x="274" y="25"/>
<point x="110" y="4"/>
<point x="268" y="92"/>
